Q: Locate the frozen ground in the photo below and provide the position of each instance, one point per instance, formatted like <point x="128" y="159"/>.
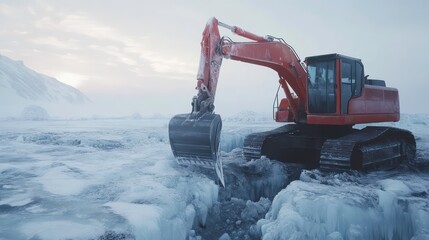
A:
<point x="117" y="179"/>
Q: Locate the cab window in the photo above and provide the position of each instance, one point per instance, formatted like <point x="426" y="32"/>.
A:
<point x="321" y="87"/>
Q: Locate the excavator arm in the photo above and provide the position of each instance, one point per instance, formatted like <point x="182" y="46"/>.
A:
<point x="267" y="51"/>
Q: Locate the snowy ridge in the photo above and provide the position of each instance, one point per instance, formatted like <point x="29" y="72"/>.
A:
<point x="28" y="84"/>
<point x="21" y="87"/>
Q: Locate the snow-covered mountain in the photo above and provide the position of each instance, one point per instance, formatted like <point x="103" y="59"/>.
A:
<point x="21" y="86"/>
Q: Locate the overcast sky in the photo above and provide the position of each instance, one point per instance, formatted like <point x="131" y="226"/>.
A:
<point x="142" y="56"/>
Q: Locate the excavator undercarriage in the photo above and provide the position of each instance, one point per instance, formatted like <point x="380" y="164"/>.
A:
<point x="333" y="148"/>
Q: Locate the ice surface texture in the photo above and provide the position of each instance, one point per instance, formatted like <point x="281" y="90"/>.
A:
<point x="117" y="179"/>
<point x="88" y="179"/>
<point x="335" y="206"/>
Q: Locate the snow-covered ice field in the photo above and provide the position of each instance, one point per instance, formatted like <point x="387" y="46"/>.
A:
<point x="117" y="179"/>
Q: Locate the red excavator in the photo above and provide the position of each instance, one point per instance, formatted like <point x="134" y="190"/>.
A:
<point x="325" y="96"/>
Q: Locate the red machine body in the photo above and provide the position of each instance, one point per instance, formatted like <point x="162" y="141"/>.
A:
<point x="324" y="96"/>
<point x="347" y="97"/>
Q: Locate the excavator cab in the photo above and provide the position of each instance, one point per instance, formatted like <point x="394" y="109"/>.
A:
<point x="327" y="74"/>
<point x="339" y="94"/>
<point x="333" y="80"/>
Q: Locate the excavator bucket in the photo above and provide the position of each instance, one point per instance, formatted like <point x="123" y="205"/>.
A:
<point x="195" y="141"/>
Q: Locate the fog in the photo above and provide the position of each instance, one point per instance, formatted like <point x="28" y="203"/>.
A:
<point x="142" y="56"/>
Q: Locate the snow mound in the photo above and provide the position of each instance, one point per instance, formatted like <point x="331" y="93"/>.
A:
<point x="136" y="116"/>
<point x="34" y="113"/>
<point x="395" y="186"/>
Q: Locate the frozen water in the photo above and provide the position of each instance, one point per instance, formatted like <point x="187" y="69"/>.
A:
<point x="331" y="206"/>
<point x="54" y="230"/>
<point x="117" y="179"/>
<point x="145" y="219"/>
<point x="96" y="179"/>
<point x="254" y="179"/>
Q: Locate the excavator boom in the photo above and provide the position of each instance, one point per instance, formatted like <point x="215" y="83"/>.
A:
<point x="267" y="51"/>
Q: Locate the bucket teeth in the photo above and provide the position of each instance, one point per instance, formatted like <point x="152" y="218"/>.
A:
<point x="198" y="162"/>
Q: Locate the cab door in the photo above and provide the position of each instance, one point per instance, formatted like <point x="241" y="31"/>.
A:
<point x="351" y="82"/>
<point x="321" y="87"/>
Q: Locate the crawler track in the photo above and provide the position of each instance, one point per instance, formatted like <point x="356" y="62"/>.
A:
<point x="369" y="148"/>
<point x="253" y="143"/>
<point x="333" y="148"/>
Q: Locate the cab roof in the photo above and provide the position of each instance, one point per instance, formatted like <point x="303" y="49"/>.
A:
<point x="331" y="56"/>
